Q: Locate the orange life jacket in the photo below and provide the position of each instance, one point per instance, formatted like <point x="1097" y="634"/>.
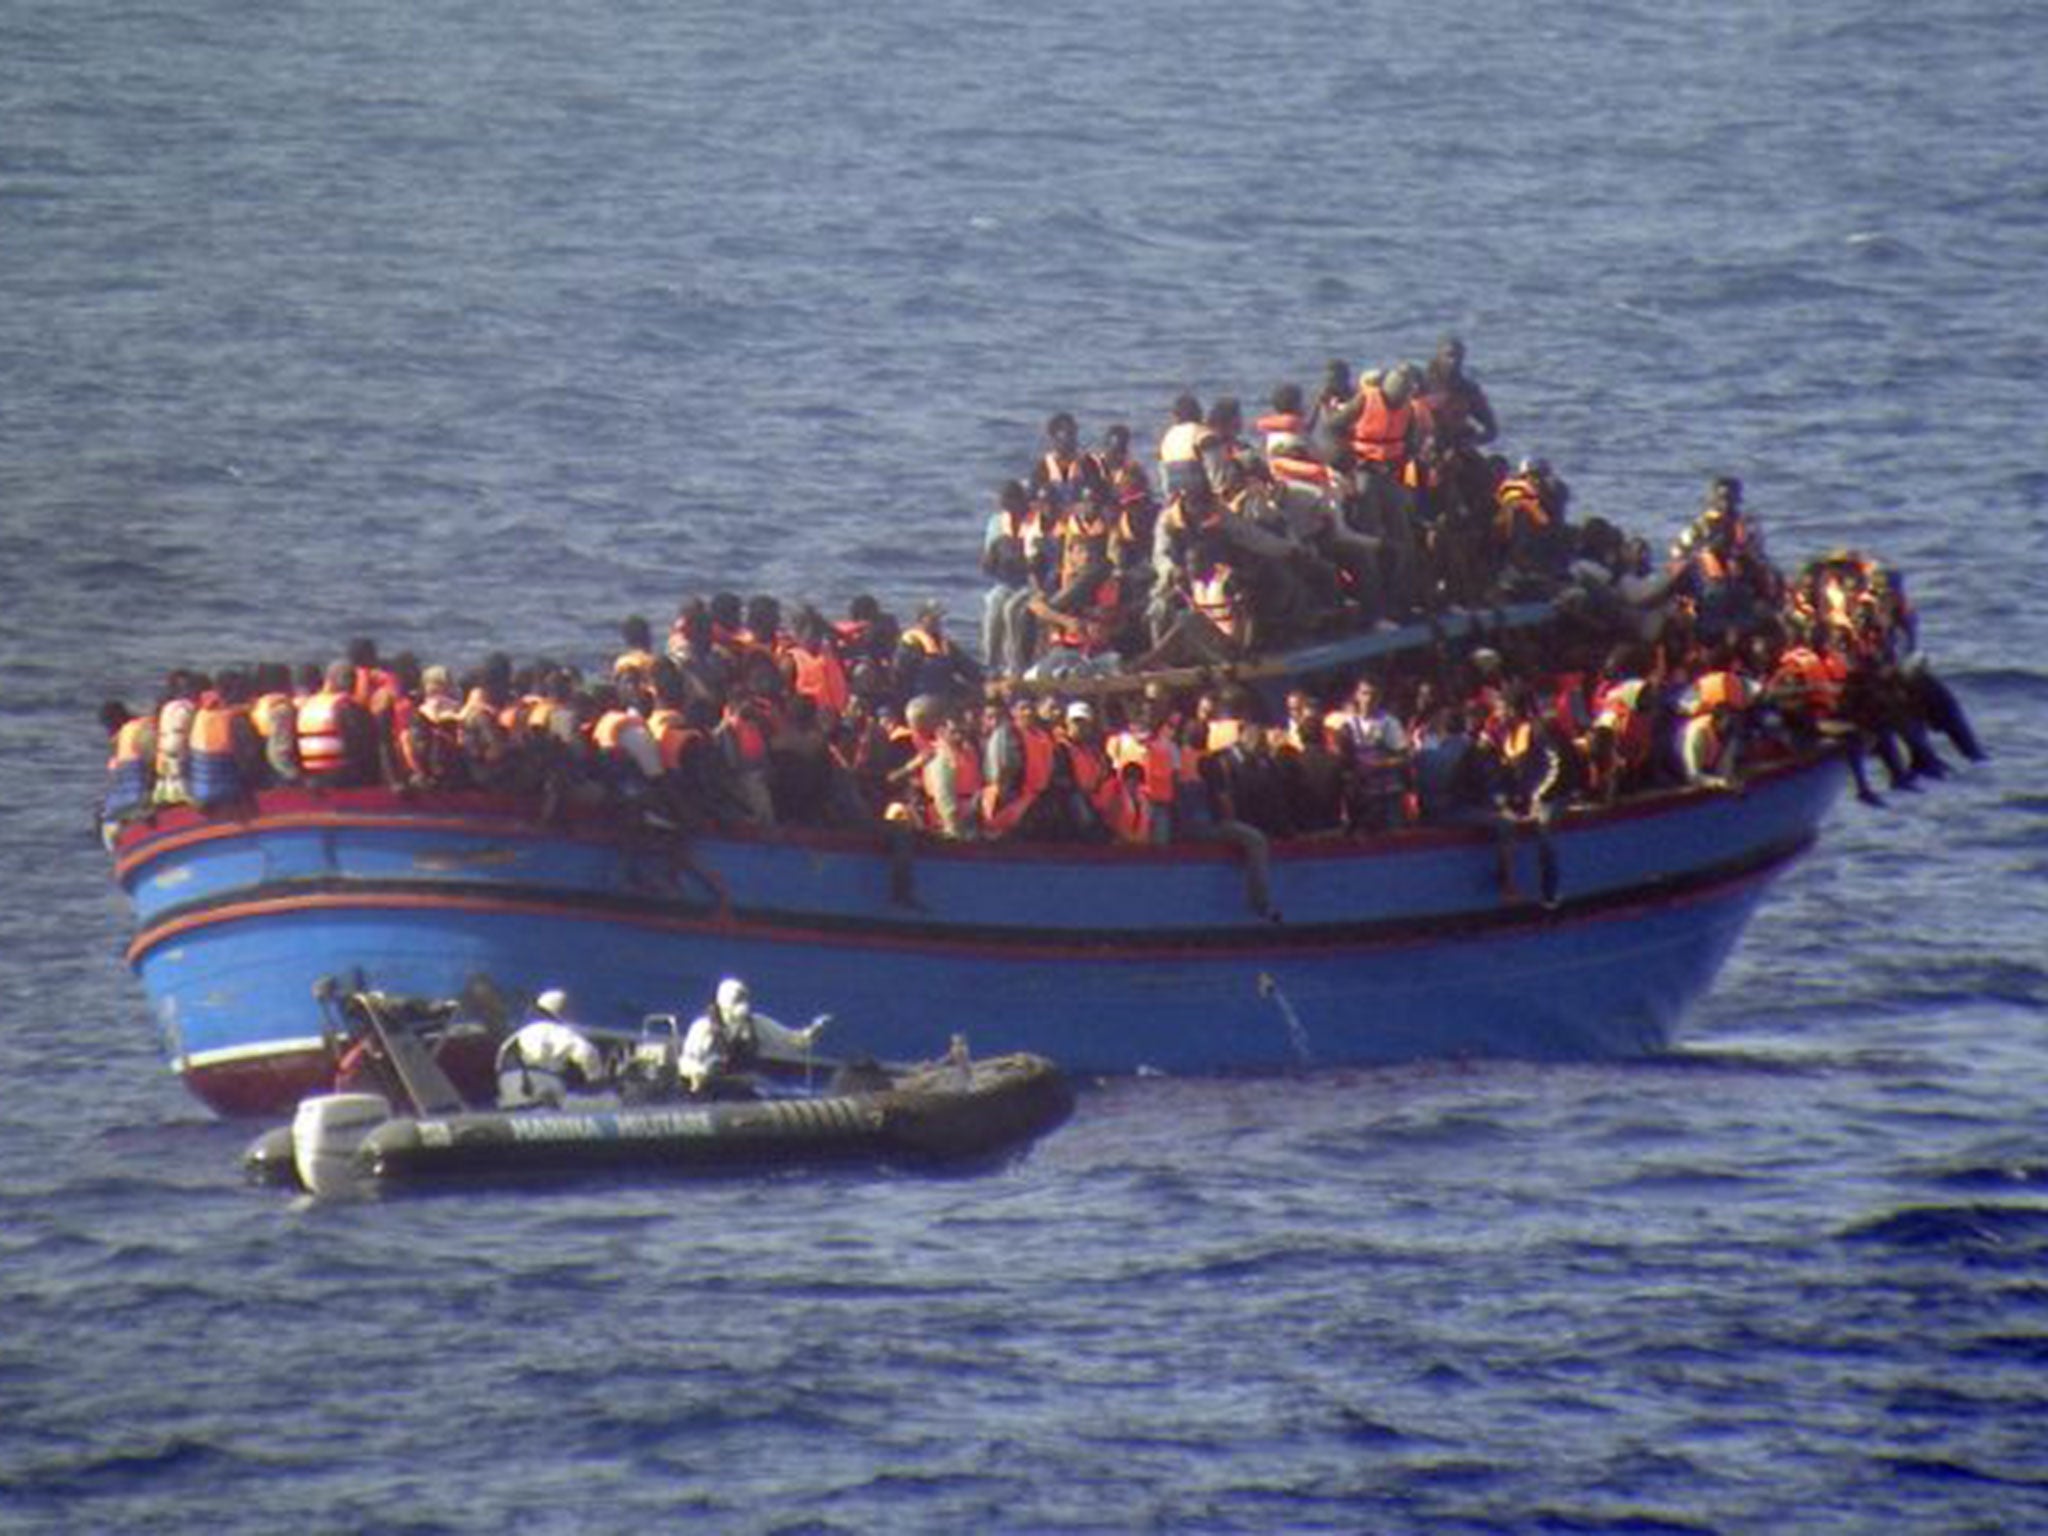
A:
<point x="966" y="786"/>
<point x="1286" y="423"/>
<point x="633" y="666"/>
<point x="1518" y="504"/>
<point x="268" y="711"/>
<point x="1305" y="472"/>
<point x="128" y="767"/>
<point x="1162" y="768"/>
<point x="540" y="717"/>
<point x="821" y="677"/>
<point x="323" y="750"/>
<point x="999" y="815"/>
<point x="1617" y="706"/>
<point x="1063" y="477"/>
<point x="1810" y="681"/>
<point x="925" y="641"/>
<point x="673" y="735"/>
<point x="611" y="727"/>
<point x="215" y="775"/>
<point x="1222" y="732"/>
<point x="967" y="771"/>
<point x="1380" y="435"/>
<point x="1719" y="689"/>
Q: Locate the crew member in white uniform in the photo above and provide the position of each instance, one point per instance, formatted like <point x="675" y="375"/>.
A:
<point x="547" y="1056"/>
<point x="730" y="1036"/>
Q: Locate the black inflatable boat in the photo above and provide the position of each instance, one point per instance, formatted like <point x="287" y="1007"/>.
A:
<point x="944" y="1113"/>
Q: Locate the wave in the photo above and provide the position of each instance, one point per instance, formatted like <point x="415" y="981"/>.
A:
<point x="121" y="1470"/>
<point x="1953" y="1469"/>
<point x="1972" y="1229"/>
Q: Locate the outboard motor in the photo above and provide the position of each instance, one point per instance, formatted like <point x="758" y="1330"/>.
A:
<point x="325" y="1134"/>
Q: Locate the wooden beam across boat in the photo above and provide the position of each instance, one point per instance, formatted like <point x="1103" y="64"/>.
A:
<point x="1326" y="656"/>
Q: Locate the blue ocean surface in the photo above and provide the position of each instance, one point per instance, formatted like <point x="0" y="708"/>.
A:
<point x="474" y="326"/>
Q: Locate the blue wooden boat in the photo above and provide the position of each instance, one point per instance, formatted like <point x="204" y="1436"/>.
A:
<point x="1108" y="960"/>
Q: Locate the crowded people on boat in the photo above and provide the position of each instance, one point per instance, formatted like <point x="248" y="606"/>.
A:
<point x="1094" y="712"/>
<point x="788" y="734"/>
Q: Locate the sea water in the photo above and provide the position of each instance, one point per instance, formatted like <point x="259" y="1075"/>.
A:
<point x="470" y="326"/>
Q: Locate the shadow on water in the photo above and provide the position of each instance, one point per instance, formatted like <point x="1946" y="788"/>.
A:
<point x="1791" y="1062"/>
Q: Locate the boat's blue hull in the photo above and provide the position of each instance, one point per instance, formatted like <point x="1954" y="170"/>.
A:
<point x="1105" y="960"/>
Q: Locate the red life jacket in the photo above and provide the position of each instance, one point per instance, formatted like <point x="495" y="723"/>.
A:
<point x="1095" y="778"/>
<point x="750" y="743"/>
<point x="1128" y="812"/>
<point x="1162" y="768"/>
<point x="375" y="689"/>
<point x="1100" y="620"/>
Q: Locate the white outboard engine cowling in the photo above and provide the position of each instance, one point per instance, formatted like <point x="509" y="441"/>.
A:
<point x="325" y="1134"/>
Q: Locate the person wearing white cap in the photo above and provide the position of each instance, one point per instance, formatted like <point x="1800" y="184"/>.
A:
<point x="547" y="1056"/>
<point x="730" y="1036"/>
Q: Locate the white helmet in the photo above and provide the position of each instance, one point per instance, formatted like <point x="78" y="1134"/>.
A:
<point x="734" y="1001"/>
<point x="554" y="1002"/>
